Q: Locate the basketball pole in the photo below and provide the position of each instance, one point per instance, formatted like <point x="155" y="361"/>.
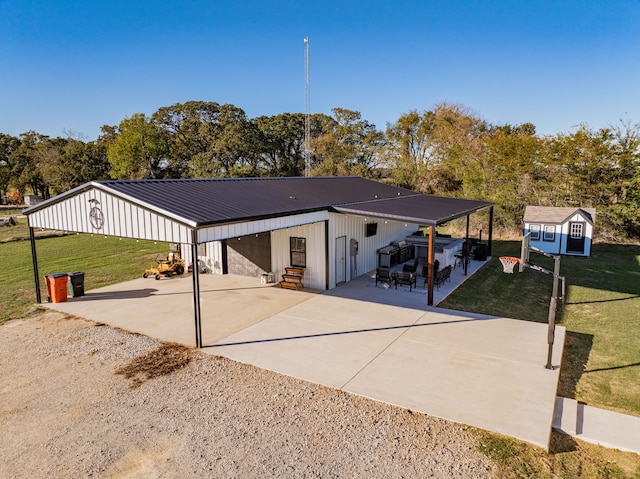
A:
<point x="553" y="304"/>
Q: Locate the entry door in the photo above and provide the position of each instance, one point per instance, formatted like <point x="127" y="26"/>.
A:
<point x="341" y="259"/>
<point x="575" y="242"/>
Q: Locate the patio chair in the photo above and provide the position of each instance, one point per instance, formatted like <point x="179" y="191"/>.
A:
<point x="425" y="271"/>
<point x="384" y="275"/>
<point x="406" y="278"/>
<point x="442" y="276"/>
<point x="463" y="255"/>
<point x="411" y="268"/>
<point x="448" y="273"/>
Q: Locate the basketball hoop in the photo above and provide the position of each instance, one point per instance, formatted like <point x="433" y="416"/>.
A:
<point x="509" y="263"/>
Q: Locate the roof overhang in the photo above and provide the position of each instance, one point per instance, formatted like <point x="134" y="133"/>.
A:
<point x="420" y="209"/>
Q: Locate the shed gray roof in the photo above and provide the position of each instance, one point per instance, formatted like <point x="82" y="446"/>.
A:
<point x="222" y="200"/>
<point x="556" y="214"/>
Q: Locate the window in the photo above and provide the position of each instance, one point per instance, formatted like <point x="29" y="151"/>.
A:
<point x="298" y="247"/>
<point x="535" y="232"/>
<point x="371" y="229"/>
<point x="576" y="231"/>
<point x="549" y="233"/>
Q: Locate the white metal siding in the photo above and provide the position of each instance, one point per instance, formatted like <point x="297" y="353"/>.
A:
<point x="121" y="218"/>
<point x="339" y="225"/>
<point x="215" y="233"/>
<point x="185" y="252"/>
<point x="354" y="227"/>
<point x="314" y="234"/>
<point x="214" y="257"/>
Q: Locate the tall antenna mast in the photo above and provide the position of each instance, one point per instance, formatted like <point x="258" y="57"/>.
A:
<point x="307" y="111"/>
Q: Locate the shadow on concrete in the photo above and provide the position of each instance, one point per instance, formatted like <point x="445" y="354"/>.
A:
<point x="355" y="331"/>
<point x="213" y="290"/>
<point x="115" y="295"/>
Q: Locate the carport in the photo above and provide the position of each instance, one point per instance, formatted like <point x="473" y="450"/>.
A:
<point x="198" y="211"/>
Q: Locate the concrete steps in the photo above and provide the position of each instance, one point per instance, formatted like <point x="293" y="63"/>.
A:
<point x="597" y="426"/>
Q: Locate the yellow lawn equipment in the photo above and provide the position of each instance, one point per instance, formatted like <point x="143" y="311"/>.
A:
<point x="167" y="265"/>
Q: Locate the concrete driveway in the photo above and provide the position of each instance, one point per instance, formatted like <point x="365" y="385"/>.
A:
<point x="483" y="371"/>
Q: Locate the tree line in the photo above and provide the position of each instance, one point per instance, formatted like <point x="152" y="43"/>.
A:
<point x="447" y="150"/>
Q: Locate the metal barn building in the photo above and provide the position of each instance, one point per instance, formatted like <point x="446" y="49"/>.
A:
<point x="332" y="227"/>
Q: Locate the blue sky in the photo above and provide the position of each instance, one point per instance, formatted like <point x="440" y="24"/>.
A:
<point x="68" y="65"/>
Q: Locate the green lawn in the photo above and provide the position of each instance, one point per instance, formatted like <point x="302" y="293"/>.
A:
<point x="568" y="459"/>
<point x="10" y="211"/>
<point x="20" y="230"/>
<point x="103" y="260"/>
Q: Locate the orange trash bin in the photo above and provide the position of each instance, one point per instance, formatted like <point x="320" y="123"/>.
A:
<point x="57" y="287"/>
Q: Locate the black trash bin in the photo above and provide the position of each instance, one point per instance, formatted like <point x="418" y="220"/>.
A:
<point x="76" y="282"/>
<point x="481" y="252"/>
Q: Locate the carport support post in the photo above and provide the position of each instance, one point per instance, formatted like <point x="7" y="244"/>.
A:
<point x="490" y="231"/>
<point x="432" y="233"/>
<point x="196" y="290"/>
<point x="34" y="260"/>
<point x="466" y="249"/>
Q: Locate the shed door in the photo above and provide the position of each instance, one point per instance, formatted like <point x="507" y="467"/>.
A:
<point x="341" y="260"/>
<point x="575" y="242"/>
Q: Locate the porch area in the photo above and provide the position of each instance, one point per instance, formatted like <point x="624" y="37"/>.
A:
<point x="364" y="287"/>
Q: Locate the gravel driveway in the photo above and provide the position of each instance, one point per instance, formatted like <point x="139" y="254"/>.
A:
<point x="65" y="413"/>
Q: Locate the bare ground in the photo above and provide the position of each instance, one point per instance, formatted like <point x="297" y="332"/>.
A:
<point x="65" y="412"/>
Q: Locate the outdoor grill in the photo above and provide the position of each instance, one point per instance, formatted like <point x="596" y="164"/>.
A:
<point x="388" y="256"/>
<point x="405" y="251"/>
<point x="396" y="253"/>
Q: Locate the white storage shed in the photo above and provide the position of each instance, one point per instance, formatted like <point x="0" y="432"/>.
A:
<point x="560" y="230"/>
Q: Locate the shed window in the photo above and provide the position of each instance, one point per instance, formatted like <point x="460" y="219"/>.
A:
<point x="535" y="232"/>
<point x="576" y="231"/>
<point x="298" y="248"/>
<point x="549" y="233"/>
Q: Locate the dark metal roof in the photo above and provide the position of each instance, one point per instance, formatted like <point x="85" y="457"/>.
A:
<point x="416" y="208"/>
<point x="224" y="200"/>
